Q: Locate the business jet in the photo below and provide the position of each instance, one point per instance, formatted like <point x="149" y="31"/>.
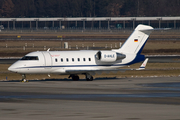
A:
<point x="86" y="62"/>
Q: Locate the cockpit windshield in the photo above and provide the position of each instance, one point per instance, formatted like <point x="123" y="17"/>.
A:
<point x="30" y="58"/>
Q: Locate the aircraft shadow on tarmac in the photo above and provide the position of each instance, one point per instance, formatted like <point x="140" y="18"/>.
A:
<point x="65" y="79"/>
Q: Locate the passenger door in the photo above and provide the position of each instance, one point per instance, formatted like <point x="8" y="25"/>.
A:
<point x="47" y="60"/>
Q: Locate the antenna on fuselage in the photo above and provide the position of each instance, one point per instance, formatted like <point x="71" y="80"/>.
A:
<point x="48" y="50"/>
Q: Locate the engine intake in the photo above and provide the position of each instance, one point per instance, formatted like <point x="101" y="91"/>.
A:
<point x="109" y="56"/>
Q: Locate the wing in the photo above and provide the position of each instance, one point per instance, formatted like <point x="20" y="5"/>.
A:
<point x="142" y="67"/>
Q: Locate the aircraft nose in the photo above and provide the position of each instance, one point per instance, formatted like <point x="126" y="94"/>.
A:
<point x="12" y="69"/>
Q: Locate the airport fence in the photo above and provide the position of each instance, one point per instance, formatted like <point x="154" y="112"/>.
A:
<point x="72" y="30"/>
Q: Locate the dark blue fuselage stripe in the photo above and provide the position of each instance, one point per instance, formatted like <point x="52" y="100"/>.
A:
<point x="73" y="66"/>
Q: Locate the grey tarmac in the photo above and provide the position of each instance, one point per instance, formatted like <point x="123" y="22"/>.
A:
<point x="107" y="99"/>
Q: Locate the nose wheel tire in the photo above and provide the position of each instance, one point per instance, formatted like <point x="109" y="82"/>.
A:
<point x="24" y="80"/>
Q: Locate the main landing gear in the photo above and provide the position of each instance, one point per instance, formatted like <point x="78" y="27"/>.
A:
<point x="89" y="77"/>
<point x="76" y="77"/>
<point x="24" y="78"/>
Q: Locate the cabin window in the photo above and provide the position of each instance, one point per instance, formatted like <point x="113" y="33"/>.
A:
<point x="89" y="59"/>
<point x="78" y="59"/>
<point x="61" y="59"/>
<point x="84" y="59"/>
<point x="67" y="59"/>
<point x="30" y="58"/>
<point x="73" y="59"/>
<point x="56" y="60"/>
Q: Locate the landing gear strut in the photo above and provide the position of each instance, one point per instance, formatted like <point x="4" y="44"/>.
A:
<point x="89" y="77"/>
<point x="24" y="78"/>
<point x="74" y="77"/>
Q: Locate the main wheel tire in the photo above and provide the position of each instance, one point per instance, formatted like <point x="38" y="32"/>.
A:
<point x="75" y="78"/>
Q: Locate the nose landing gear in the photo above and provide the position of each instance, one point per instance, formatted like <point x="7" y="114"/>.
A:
<point x="24" y="78"/>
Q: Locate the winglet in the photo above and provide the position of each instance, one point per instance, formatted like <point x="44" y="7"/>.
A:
<point x="142" y="67"/>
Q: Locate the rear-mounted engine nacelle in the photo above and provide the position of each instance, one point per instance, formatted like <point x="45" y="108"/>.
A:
<point x="109" y="56"/>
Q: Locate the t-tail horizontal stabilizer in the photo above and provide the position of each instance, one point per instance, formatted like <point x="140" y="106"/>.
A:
<point x="142" y="67"/>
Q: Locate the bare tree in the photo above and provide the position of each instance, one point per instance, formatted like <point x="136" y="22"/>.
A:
<point x="7" y="8"/>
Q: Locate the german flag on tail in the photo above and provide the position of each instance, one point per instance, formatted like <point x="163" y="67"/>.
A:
<point x="135" y="40"/>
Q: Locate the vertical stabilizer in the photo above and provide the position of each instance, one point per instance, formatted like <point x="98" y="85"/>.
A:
<point x="135" y="43"/>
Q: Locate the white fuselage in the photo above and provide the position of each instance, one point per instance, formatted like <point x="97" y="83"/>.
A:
<point x="59" y="62"/>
